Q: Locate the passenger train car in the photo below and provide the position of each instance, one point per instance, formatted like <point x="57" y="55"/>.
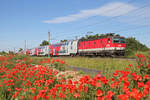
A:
<point x="44" y="50"/>
<point x="108" y="46"/>
<point x="35" y="51"/>
<point x="64" y="48"/>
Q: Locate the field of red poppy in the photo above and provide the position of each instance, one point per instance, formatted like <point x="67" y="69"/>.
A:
<point x="21" y="79"/>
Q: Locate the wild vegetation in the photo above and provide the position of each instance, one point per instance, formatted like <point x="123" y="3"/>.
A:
<point x="105" y="65"/>
<point x="22" y="79"/>
<point x="134" y="46"/>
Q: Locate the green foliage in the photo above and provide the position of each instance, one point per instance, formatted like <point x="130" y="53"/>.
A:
<point x="11" y="52"/>
<point x="21" y="57"/>
<point x="20" y="49"/>
<point x="3" y="53"/>
<point x="44" y="42"/>
<point x="80" y="72"/>
<point x="97" y="36"/>
<point x="59" y="66"/>
<point x="70" y="76"/>
<point x="134" y="45"/>
<point x="63" y="40"/>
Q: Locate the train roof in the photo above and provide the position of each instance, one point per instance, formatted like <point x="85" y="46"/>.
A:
<point x="100" y="37"/>
<point x="63" y="43"/>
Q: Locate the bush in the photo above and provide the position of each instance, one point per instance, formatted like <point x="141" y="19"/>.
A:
<point x="134" y="46"/>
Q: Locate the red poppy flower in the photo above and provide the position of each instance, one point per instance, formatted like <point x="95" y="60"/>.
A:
<point x="76" y="95"/>
<point x="85" y="89"/>
<point x="99" y="92"/>
<point x="140" y="84"/>
<point x="61" y="95"/>
<point x="69" y="81"/>
<point x="123" y="97"/>
<point x="80" y="87"/>
<point x="130" y="65"/>
<point x="109" y="95"/>
<point x="100" y="98"/>
<point x="148" y="65"/>
<point x="98" y="84"/>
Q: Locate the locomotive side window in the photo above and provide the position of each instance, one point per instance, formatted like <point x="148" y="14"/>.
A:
<point x="122" y="40"/>
<point x="94" y="42"/>
<point x="116" y="40"/>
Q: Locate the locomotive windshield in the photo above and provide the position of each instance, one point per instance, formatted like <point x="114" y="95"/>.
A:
<point x="118" y="40"/>
<point x="122" y="40"/>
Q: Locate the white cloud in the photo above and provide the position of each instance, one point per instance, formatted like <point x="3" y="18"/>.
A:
<point x="139" y="17"/>
<point x="110" y="10"/>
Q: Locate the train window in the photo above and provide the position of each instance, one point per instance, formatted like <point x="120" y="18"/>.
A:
<point x="89" y="43"/>
<point x="122" y="40"/>
<point x="94" y="42"/>
<point x="116" y="40"/>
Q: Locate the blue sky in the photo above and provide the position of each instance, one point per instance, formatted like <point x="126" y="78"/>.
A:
<point x="31" y="20"/>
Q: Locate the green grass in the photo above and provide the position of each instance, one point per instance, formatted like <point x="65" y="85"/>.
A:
<point x="97" y="63"/>
<point x="106" y="65"/>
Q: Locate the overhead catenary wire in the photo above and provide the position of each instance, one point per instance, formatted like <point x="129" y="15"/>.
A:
<point x="132" y="28"/>
<point x="109" y="10"/>
<point x="147" y="5"/>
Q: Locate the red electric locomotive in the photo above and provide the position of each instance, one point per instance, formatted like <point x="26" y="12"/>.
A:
<point x="108" y="46"/>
